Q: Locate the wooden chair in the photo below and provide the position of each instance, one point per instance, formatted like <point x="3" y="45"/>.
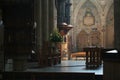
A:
<point x="93" y="57"/>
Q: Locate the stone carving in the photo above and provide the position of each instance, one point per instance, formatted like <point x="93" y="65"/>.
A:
<point x="88" y="19"/>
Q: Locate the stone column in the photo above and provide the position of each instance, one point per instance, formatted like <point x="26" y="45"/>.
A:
<point x="67" y="11"/>
<point x="45" y="27"/>
<point x="38" y="22"/>
<point x="51" y="15"/>
<point x="60" y="12"/>
<point x="45" y="32"/>
<point x="42" y="30"/>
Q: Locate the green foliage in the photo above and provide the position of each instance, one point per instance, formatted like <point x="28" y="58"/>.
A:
<point x="55" y="36"/>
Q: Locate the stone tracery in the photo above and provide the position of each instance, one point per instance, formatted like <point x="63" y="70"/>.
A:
<point x="78" y="13"/>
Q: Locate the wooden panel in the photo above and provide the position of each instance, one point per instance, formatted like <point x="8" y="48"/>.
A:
<point x="111" y="65"/>
<point x="48" y="76"/>
<point x="111" y="70"/>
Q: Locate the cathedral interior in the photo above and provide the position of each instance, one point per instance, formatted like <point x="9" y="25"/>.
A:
<point x="48" y="32"/>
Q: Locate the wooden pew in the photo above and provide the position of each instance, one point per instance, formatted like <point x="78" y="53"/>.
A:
<point x="78" y="55"/>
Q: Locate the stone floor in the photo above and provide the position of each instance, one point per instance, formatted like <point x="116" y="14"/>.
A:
<point x="69" y="66"/>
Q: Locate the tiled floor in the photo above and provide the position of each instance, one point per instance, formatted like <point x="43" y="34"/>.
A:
<point x="69" y="66"/>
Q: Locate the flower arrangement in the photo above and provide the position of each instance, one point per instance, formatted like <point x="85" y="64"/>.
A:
<point x="55" y="36"/>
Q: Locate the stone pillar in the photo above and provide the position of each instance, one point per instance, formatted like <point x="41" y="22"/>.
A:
<point x="45" y="27"/>
<point x="44" y="32"/>
<point x="51" y="15"/>
<point x="38" y="22"/>
<point x="60" y="4"/>
<point x="67" y="11"/>
<point x="55" y="15"/>
<point x="117" y="23"/>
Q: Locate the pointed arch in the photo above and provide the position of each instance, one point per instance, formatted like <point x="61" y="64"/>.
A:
<point x="82" y="40"/>
<point x="77" y="8"/>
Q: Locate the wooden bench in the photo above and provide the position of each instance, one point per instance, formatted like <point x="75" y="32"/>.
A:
<point x="78" y="55"/>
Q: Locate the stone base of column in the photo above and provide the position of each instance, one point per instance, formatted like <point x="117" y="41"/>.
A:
<point x="20" y="63"/>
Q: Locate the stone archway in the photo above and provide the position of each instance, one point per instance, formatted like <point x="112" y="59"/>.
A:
<point x="78" y="6"/>
<point x="100" y="14"/>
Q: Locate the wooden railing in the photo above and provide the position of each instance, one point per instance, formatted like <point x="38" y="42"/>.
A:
<point x="93" y="57"/>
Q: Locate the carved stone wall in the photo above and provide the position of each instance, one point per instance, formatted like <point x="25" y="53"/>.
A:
<point x="82" y="40"/>
<point x="110" y="28"/>
<point x="92" y="15"/>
